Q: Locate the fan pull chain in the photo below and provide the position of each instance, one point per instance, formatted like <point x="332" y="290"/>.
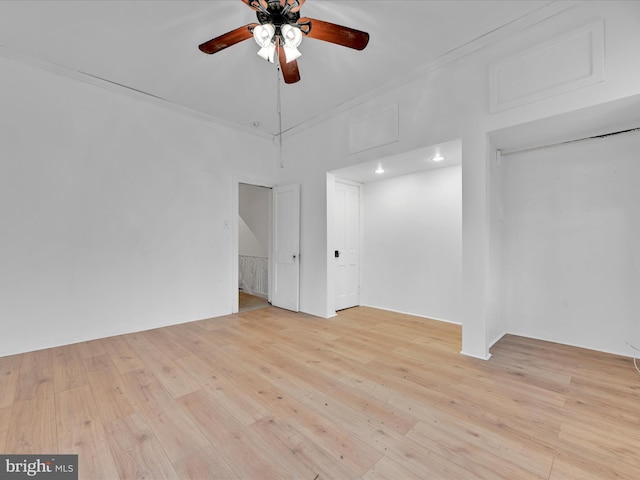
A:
<point x="279" y="119"/>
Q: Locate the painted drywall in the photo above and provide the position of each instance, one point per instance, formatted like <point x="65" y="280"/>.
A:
<point x="445" y="103"/>
<point x="571" y="229"/>
<point x="247" y="240"/>
<point x="497" y="326"/>
<point x="412" y="244"/>
<point x="74" y="157"/>
<point x="112" y="209"/>
<point x="253" y="224"/>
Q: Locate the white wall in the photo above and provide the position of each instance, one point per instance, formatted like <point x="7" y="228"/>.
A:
<point x="452" y="101"/>
<point x="497" y="325"/>
<point x="253" y="224"/>
<point x="112" y="211"/>
<point x="412" y="247"/>
<point x="571" y="230"/>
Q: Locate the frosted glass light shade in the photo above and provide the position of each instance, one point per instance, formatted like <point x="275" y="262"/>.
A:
<point x="263" y="34"/>
<point x="268" y="52"/>
<point x="291" y="53"/>
<point x="292" y="36"/>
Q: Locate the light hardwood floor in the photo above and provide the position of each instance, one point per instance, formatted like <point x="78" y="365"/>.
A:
<point x="268" y="394"/>
<point x="250" y="302"/>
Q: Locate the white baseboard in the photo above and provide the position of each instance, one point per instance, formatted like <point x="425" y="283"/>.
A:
<point x="486" y="357"/>
<point x="497" y="339"/>
<point x="412" y="314"/>
<point x="543" y="338"/>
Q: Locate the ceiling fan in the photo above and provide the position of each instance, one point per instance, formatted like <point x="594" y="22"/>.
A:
<point x="280" y="31"/>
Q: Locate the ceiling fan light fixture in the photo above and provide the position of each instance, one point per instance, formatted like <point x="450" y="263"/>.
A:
<point x="292" y="35"/>
<point x="263" y="34"/>
<point x="268" y="52"/>
<point x="291" y="53"/>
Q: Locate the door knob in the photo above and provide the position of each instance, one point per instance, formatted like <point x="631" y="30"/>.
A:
<point x="337" y="253"/>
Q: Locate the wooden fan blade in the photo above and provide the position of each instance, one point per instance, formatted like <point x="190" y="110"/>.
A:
<point x="330" y="32"/>
<point x="294" y="5"/>
<point x="257" y="4"/>
<point x="290" y="71"/>
<point x="230" y="38"/>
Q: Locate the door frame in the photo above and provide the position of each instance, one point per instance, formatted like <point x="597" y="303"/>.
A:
<point x="233" y="224"/>
<point x="332" y="179"/>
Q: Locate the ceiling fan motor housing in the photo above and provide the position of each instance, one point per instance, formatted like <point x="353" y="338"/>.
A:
<point x="278" y="15"/>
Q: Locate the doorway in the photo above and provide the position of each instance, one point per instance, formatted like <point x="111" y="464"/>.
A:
<point x="254" y="245"/>
<point x="265" y="242"/>
<point x="410" y="218"/>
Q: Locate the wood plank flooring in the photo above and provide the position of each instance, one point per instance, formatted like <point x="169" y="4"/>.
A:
<point x="369" y="394"/>
<point x="247" y="302"/>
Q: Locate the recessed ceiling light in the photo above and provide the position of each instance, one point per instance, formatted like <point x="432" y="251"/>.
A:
<point x="379" y="170"/>
<point x="438" y="158"/>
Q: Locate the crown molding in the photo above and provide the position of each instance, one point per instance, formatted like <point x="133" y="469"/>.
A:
<point x="553" y="8"/>
<point x="549" y="10"/>
<point x="127" y="91"/>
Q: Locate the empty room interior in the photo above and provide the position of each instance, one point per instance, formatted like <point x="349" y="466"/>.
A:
<point x="345" y="240"/>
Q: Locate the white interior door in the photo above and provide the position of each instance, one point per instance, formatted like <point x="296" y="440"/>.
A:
<point x="286" y="245"/>
<point x="347" y="248"/>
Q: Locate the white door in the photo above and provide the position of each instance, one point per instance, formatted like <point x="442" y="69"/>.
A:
<point x="286" y="246"/>
<point x="347" y="248"/>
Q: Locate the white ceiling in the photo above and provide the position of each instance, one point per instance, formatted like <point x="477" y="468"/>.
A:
<point x="151" y="47"/>
<point x="404" y="163"/>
